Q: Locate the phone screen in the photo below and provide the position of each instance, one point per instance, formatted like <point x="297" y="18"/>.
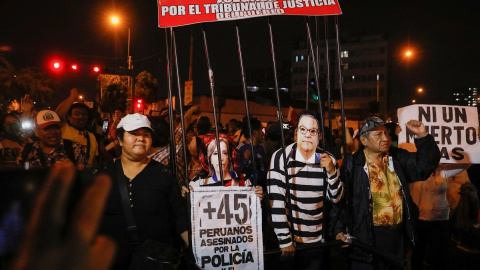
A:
<point x="105" y="126"/>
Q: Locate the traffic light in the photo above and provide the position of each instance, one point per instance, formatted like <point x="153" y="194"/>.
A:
<point x="313" y="87"/>
<point x="55" y="65"/>
<point x="139" y="105"/>
<point x="61" y="66"/>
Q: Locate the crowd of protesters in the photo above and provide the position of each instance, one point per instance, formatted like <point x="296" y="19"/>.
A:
<point x="364" y="187"/>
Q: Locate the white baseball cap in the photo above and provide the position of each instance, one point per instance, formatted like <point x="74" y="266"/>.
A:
<point x="47" y="118"/>
<point x="134" y="121"/>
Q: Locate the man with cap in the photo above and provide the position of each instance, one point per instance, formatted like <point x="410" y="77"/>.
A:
<point x="379" y="210"/>
<point x="50" y="147"/>
<point x="75" y="116"/>
<point x="152" y="193"/>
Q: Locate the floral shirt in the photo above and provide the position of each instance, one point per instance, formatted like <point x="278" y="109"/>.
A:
<point x="386" y="194"/>
<point x="34" y="158"/>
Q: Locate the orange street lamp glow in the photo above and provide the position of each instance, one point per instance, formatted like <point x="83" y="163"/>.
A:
<point x="420" y="90"/>
<point x="413" y="101"/>
<point x="114" y="20"/>
<point x="408" y="53"/>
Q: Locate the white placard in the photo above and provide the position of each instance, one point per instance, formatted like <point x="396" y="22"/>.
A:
<point x="226" y="228"/>
<point x="454" y="128"/>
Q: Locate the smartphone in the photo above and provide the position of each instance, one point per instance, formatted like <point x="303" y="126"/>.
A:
<point x="105" y="126"/>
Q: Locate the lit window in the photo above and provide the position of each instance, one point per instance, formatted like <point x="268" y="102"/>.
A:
<point x="301" y="58"/>
<point x="296" y="58"/>
<point x="344" y="54"/>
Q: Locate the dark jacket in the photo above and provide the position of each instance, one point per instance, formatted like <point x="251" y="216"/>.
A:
<point x="357" y="214"/>
<point x="158" y="208"/>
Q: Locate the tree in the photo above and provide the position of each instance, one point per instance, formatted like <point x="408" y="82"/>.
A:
<point x="114" y="96"/>
<point x="146" y="87"/>
<point x="114" y="89"/>
<point x="16" y="84"/>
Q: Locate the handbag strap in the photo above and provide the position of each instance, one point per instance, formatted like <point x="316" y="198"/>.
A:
<point x="127" y="210"/>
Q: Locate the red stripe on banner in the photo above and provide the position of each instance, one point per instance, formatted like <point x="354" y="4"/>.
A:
<point x="176" y="13"/>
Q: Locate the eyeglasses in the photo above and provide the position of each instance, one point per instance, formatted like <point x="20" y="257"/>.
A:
<point x="313" y="131"/>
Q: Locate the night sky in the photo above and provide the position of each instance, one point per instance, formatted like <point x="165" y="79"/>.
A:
<point x="444" y="36"/>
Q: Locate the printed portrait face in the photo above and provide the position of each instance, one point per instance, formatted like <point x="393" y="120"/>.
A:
<point x="224" y="155"/>
<point x="307" y="134"/>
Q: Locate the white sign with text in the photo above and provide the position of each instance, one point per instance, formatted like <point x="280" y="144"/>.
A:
<point x="454" y="128"/>
<point x="226" y="228"/>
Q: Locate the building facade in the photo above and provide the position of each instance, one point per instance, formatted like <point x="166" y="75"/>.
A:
<point x="466" y="97"/>
<point x="364" y="67"/>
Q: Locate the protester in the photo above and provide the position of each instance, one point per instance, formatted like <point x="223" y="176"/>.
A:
<point x="118" y="114"/>
<point x="154" y="195"/>
<point x="244" y="153"/>
<point x="11" y="141"/>
<point x="211" y="166"/>
<point x="112" y="132"/>
<point x="232" y="127"/>
<point x="202" y="126"/>
<point x="433" y="226"/>
<point x="379" y="209"/>
<point x="273" y="140"/>
<point x="161" y="147"/>
<point x="50" y="148"/>
<point x="312" y="179"/>
<point x="75" y="116"/>
<point x="49" y="242"/>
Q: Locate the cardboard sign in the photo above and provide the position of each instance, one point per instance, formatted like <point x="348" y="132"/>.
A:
<point x="226" y="228"/>
<point x="454" y="128"/>
<point x="176" y="13"/>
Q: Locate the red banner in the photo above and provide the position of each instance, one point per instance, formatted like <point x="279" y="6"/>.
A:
<point x="176" y="13"/>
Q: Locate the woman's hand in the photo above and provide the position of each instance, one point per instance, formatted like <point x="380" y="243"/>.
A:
<point x="185" y="191"/>
<point x="259" y="192"/>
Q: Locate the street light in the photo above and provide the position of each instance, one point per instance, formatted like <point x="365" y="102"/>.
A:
<point x="420" y="90"/>
<point x="115" y="20"/>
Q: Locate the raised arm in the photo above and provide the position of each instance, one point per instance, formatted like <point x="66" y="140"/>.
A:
<point x="63" y="107"/>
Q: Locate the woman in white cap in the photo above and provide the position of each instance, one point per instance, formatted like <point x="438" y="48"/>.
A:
<point x="153" y="195"/>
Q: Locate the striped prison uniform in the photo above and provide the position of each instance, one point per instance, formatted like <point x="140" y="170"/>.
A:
<point x="306" y="186"/>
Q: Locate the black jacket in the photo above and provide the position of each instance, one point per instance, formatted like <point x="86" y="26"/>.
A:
<point x="357" y="213"/>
